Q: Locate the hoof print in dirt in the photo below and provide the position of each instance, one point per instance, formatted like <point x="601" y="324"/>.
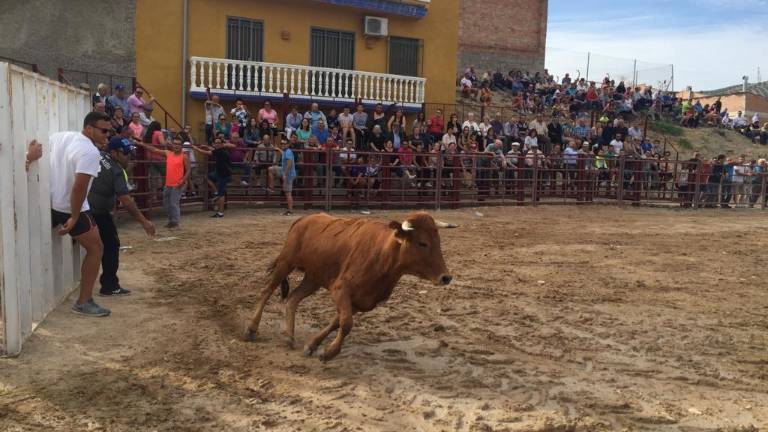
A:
<point x="249" y="335"/>
<point x="288" y="342"/>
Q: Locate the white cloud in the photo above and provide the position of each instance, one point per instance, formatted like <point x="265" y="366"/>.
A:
<point x="703" y="57"/>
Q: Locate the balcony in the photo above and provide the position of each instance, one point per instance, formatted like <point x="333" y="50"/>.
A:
<point x="302" y="84"/>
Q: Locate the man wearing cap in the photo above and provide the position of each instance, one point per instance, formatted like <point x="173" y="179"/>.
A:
<point x="109" y="185"/>
<point x="118" y="99"/>
<point x="145" y="117"/>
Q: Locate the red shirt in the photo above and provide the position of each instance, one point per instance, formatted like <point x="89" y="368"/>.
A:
<point x="436" y="125"/>
<point x="406" y="155"/>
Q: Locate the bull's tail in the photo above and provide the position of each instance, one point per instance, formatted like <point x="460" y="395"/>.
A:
<point x="285" y="288"/>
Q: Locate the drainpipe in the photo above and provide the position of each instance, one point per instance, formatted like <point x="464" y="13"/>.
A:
<point x="184" y="56"/>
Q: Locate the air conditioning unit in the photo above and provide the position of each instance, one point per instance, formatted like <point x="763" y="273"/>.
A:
<point x="375" y="26"/>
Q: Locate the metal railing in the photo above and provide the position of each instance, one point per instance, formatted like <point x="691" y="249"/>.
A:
<point x="76" y="78"/>
<point x="249" y="78"/>
<point x="331" y="180"/>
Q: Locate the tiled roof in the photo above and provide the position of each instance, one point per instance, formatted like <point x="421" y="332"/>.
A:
<point x="760" y="89"/>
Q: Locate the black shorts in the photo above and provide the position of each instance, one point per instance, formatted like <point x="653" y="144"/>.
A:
<point x="83" y="225"/>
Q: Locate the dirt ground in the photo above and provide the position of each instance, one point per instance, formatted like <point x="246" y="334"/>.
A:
<point x="558" y="319"/>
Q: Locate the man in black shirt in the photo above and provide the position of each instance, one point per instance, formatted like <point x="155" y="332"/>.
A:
<point x="555" y="132"/>
<point x="222" y="172"/>
<point x="713" y="190"/>
<point x="108" y="186"/>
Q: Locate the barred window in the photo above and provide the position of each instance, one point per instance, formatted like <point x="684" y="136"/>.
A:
<point x="404" y="56"/>
<point x="245" y="39"/>
<point x="332" y="49"/>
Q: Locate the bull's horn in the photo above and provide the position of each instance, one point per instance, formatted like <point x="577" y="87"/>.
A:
<point x="441" y="224"/>
<point x="407" y="226"/>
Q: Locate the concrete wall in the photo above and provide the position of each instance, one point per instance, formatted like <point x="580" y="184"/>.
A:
<point x="747" y="103"/>
<point x="159" y="28"/>
<point x="502" y="34"/>
<point x="87" y="35"/>
<point x="757" y="104"/>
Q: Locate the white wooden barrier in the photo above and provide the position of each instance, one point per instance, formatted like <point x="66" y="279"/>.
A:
<point x="38" y="268"/>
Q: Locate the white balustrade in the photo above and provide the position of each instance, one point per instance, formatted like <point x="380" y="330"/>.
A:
<point x="270" y="79"/>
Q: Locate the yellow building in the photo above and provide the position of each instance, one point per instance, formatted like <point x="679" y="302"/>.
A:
<point x="333" y="52"/>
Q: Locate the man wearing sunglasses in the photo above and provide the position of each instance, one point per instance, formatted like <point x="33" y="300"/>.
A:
<point x="75" y="161"/>
<point x="111" y="185"/>
<point x="136" y="102"/>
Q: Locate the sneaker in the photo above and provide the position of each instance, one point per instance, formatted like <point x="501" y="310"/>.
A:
<point x="114" y="293"/>
<point x="243" y="183"/>
<point x="287" y="213"/>
<point x="172" y="225"/>
<point x="217" y="215"/>
<point x="429" y="184"/>
<point x="90" y="308"/>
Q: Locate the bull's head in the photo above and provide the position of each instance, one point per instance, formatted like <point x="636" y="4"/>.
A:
<point x="420" y="254"/>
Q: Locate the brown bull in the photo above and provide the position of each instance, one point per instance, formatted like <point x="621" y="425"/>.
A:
<point x="359" y="261"/>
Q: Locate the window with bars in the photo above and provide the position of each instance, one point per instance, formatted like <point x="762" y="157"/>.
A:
<point x="332" y="49"/>
<point x="245" y="39"/>
<point x="404" y="56"/>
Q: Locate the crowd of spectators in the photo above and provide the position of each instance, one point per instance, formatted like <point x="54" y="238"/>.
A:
<point x="553" y="126"/>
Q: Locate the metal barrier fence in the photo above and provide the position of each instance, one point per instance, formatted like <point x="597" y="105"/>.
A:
<point x="342" y="179"/>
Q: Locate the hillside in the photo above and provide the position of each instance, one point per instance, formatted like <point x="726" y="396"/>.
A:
<point x="707" y="140"/>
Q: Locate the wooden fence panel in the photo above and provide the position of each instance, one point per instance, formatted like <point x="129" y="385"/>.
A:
<point x="38" y="268"/>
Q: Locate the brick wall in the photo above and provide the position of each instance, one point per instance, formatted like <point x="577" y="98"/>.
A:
<point x="503" y="34"/>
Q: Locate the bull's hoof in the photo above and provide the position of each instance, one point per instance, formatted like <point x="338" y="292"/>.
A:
<point x="308" y="351"/>
<point x="289" y="342"/>
<point x="326" y="357"/>
<point x="249" y="335"/>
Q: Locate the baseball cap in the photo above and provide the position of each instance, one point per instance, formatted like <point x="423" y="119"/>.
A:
<point x="119" y="87"/>
<point x="120" y="144"/>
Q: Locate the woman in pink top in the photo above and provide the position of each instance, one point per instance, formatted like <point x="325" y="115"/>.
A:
<point x="135" y="126"/>
<point x="156" y="161"/>
<point x="269" y="114"/>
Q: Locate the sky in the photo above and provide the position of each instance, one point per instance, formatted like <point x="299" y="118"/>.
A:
<point x="711" y="43"/>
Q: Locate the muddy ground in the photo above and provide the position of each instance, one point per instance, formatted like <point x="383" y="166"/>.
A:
<point x="559" y="319"/>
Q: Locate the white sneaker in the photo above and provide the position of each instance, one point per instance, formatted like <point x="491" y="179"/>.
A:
<point x="243" y="183"/>
<point x="429" y="184"/>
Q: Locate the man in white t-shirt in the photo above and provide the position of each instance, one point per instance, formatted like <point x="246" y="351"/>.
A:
<point x="471" y="124"/>
<point x="617" y="144"/>
<point x="75" y="162"/>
